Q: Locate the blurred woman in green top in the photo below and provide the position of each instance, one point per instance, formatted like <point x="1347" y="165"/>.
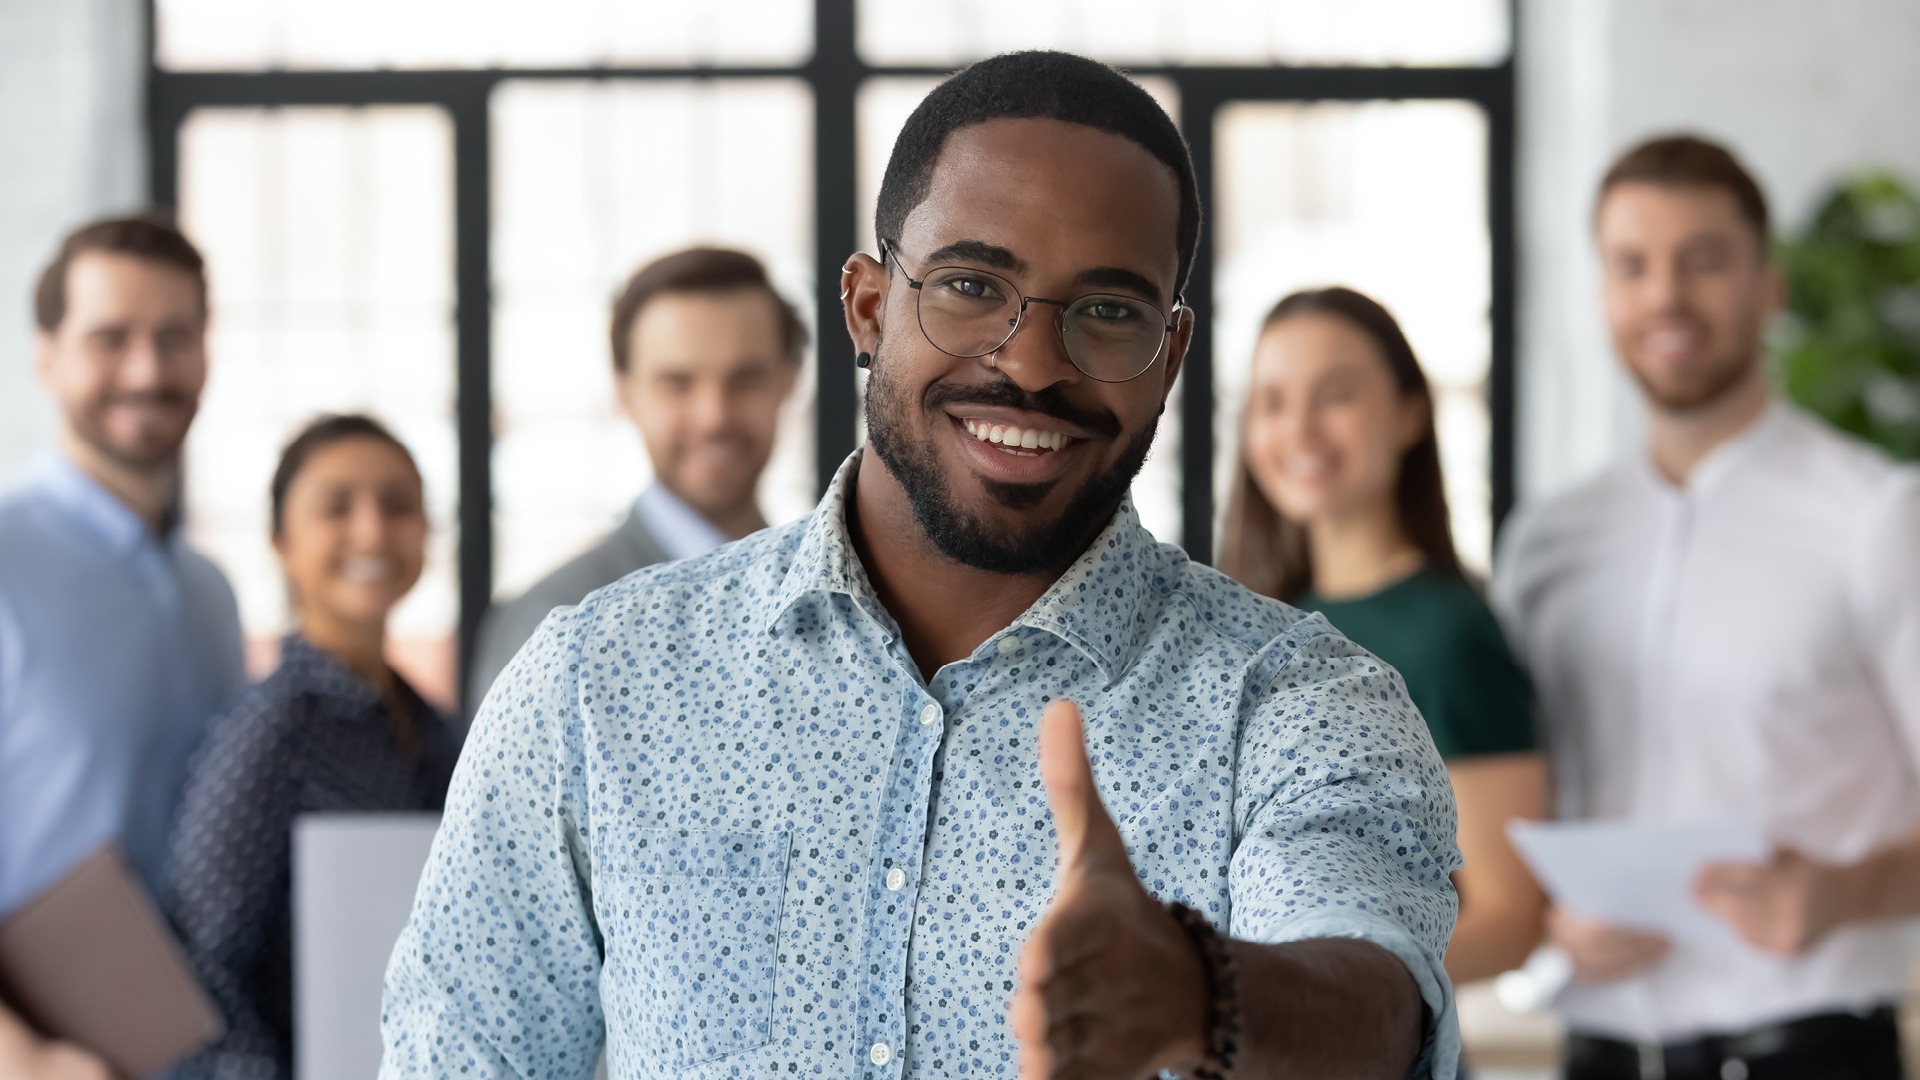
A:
<point x="1337" y="506"/>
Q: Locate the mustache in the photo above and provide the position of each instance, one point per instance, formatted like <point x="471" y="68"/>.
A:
<point x="173" y="398"/>
<point x="1005" y="393"/>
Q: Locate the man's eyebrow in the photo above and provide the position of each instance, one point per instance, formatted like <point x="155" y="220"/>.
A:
<point x="978" y="251"/>
<point x="1118" y="277"/>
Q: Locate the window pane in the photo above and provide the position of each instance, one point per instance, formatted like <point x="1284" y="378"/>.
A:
<point x="1221" y="32"/>
<point x="354" y="34"/>
<point x="1390" y="199"/>
<point x="881" y="111"/>
<point x="329" y="241"/>
<point x="591" y="180"/>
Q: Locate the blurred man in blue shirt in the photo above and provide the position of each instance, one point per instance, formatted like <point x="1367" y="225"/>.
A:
<point x="118" y="642"/>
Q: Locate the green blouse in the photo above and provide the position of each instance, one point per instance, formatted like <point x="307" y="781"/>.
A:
<point x="1438" y="633"/>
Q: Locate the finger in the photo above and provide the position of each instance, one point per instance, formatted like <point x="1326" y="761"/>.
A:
<point x="1035" y="965"/>
<point x="1728" y="875"/>
<point x="1074" y="992"/>
<point x="1079" y="819"/>
<point x="1027" y="1016"/>
<point x="1068" y="1039"/>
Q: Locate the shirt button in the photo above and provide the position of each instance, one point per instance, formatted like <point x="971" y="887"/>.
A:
<point x="1009" y="645"/>
<point x="930" y="715"/>
<point x="880" y="1054"/>
<point x="896" y="879"/>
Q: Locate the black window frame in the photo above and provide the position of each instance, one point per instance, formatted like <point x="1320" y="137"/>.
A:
<point x="835" y="73"/>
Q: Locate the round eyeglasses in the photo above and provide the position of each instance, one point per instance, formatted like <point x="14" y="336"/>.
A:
<point x="968" y="312"/>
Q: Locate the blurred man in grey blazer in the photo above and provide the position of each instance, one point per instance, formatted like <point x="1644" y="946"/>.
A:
<point x="705" y="351"/>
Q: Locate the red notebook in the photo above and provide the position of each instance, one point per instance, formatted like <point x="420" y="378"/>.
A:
<point x="91" y="962"/>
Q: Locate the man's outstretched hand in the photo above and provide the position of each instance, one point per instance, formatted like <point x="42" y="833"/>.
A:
<point x="1110" y="986"/>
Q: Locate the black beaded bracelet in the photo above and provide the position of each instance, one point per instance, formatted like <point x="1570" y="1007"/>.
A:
<point x="1223" y="993"/>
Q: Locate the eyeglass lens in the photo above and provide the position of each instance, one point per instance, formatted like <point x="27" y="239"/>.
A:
<point x="969" y="312"/>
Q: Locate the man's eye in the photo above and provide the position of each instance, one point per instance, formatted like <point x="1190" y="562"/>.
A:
<point x="970" y="288"/>
<point x="1112" y="310"/>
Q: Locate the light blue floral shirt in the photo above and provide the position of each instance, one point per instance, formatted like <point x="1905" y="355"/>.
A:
<point x="714" y="818"/>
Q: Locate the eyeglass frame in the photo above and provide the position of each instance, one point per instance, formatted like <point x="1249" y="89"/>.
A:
<point x="888" y="252"/>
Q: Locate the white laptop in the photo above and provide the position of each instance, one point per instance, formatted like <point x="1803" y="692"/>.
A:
<point x="354" y="876"/>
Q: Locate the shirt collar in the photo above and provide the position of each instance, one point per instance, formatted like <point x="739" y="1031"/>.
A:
<point x="1096" y="605"/>
<point x="96" y="507"/>
<point x="1726" y="459"/>
<point x="678" y="528"/>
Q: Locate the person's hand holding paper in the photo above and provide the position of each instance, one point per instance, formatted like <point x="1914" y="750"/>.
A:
<point x="1624" y="891"/>
<point x="1601" y="951"/>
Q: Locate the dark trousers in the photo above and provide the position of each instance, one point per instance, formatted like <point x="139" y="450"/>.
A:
<point x="1832" y="1046"/>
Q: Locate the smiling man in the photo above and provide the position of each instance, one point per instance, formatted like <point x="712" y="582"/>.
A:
<point x="1726" y="623"/>
<point x="118" y="641"/>
<point x="964" y="774"/>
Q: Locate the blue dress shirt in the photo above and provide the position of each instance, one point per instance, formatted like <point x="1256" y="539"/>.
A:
<point x="714" y="817"/>
<point x="116" y="649"/>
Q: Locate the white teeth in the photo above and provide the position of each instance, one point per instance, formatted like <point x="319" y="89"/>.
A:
<point x="367" y="569"/>
<point x="1307" y="466"/>
<point x="1022" y="438"/>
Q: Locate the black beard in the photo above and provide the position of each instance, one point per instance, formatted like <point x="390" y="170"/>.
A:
<point x="963" y="536"/>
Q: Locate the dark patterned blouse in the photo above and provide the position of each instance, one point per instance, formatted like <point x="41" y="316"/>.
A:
<point x="311" y="738"/>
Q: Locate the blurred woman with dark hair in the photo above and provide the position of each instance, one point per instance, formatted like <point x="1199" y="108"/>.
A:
<point x="1337" y="506"/>
<point x="333" y="729"/>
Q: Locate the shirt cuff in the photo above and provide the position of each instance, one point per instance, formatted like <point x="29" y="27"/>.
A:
<point x="1440" y="1050"/>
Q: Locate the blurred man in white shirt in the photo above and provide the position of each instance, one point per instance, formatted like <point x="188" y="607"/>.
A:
<point x="1727" y="624"/>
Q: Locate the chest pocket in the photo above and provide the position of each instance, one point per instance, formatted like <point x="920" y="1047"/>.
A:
<point x="691" y="922"/>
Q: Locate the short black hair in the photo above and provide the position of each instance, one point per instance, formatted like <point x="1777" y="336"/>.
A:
<point x="1035" y="85"/>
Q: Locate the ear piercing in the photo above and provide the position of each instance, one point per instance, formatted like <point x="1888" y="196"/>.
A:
<point x="863" y="360"/>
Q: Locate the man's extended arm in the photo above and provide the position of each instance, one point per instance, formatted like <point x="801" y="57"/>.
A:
<point x="1111" y="985"/>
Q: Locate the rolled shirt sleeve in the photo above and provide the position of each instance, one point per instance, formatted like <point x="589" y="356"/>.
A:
<point x="1346" y="820"/>
<point x="498" y="971"/>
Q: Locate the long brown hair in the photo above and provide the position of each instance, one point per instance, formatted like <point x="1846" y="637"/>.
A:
<point x="1270" y="554"/>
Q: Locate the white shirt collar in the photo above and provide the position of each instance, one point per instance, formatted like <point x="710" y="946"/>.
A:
<point x="678" y="528"/>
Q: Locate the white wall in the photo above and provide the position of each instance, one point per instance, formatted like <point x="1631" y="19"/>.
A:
<point x="72" y="147"/>
<point x="1803" y="90"/>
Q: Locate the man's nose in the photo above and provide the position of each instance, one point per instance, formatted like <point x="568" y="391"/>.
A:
<point x="1035" y="357"/>
<point x="710" y="409"/>
<point x="143" y="363"/>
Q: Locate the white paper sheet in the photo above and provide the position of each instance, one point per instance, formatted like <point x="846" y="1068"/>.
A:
<point x="1636" y="874"/>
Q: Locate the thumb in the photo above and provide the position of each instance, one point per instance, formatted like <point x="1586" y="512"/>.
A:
<point x="1086" y="832"/>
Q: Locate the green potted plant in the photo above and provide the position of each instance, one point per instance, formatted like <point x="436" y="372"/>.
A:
<point x="1849" y="346"/>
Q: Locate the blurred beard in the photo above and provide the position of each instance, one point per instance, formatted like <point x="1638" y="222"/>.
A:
<point x="956" y="530"/>
<point x="1706" y="387"/>
<point x="1702" y="390"/>
<point x="155" y="443"/>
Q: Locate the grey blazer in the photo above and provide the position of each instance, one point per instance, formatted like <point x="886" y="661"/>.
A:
<point x="507" y="625"/>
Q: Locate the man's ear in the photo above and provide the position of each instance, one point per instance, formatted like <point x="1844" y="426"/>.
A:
<point x="1177" y="344"/>
<point x="624" y="383"/>
<point x="43" y="357"/>
<point x="788" y="374"/>
<point x="1776" y="287"/>
<point x="864" y="282"/>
